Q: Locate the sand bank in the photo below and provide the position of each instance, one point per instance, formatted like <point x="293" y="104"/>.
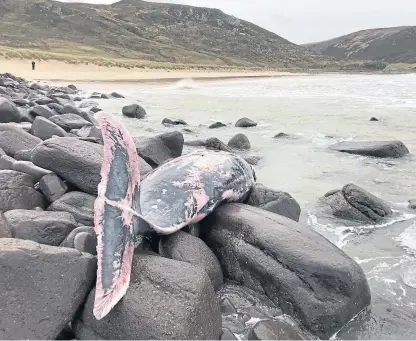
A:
<point x="60" y="71"/>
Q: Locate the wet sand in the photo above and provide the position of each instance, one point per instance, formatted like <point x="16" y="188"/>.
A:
<point x="60" y="71"/>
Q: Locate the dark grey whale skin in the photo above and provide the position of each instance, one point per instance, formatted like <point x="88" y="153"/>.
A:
<point x="178" y="193"/>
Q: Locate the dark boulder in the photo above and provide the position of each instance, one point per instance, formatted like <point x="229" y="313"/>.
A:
<point x="29" y="168"/>
<point x="45" y="129"/>
<point x="274" y="330"/>
<point x="187" y="248"/>
<point x="245" y="123"/>
<point x="17" y="192"/>
<point x="56" y="107"/>
<point x="168" y="121"/>
<point x="239" y="141"/>
<point x="354" y="203"/>
<point x="180" y="292"/>
<point x="374" y="119"/>
<point x="271" y="200"/>
<point x="6" y="162"/>
<point x="252" y="160"/>
<point x="70" y="109"/>
<point x="5" y="231"/>
<point x="95" y="109"/>
<point x="393" y="149"/>
<point x="9" y="112"/>
<point x="88" y="103"/>
<point x="157" y="149"/>
<point x="69" y="121"/>
<point x="23" y="155"/>
<point x="281" y="136"/>
<point x="44" y="100"/>
<point x="49" y="228"/>
<point x="412" y="204"/>
<point x="227" y="335"/>
<point x="91" y="131"/>
<point x="41" y="288"/>
<point x="20" y="102"/>
<point x="134" y="111"/>
<point x="297" y="268"/>
<point x="216" y="144"/>
<point x="52" y="187"/>
<point x="217" y="125"/>
<point x="13" y="139"/>
<point x="116" y="95"/>
<point x="82" y="238"/>
<point x="79" y="204"/>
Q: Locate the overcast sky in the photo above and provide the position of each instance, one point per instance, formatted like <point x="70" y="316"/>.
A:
<point x="304" y="21"/>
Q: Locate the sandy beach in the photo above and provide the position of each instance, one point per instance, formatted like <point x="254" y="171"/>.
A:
<point x="60" y="71"/>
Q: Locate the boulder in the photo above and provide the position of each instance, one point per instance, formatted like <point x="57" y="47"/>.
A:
<point x="90" y="131"/>
<point x="252" y="160"/>
<point x="23" y="155"/>
<point x="168" y="121"/>
<point x="374" y="119"/>
<point x="79" y="204"/>
<point x="116" y="95"/>
<point x="41" y="289"/>
<point x="245" y="123"/>
<point x="216" y="144"/>
<point x="69" y="121"/>
<point x="5" y="231"/>
<point x="20" y="102"/>
<point x="412" y="204"/>
<point x="355" y="203"/>
<point x="227" y="335"/>
<point x="82" y="238"/>
<point x="77" y="161"/>
<point x="88" y="103"/>
<point x="95" y="110"/>
<point x="281" y="136"/>
<point x="42" y="111"/>
<point x="13" y="139"/>
<point x="392" y="149"/>
<point x="70" y="109"/>
<point x="29" y="168"/>
<point x="6" y="162"/>
<point x="45" y="129"/>
<point x="56" y="107"/>
<point x="49" y="228"/>
<point x="8" y="111"/>
<point x="157" y="149"/>
<point x="187" y="248"/>
<point x="52" y="187"/>
<point x="217" y="125"/>
<point x="134" y="111"/>
<point x="297" y="268"/>
<point x="274" y="201"/>
<point x="166" y="300"/>
<point x="17" y="192"/>
<point x="44" y="100"/>
<point x="239" y="141"/>
<point x="274" y="330"/>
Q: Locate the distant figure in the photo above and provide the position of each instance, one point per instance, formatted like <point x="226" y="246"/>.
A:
<point x="33" y="64"/>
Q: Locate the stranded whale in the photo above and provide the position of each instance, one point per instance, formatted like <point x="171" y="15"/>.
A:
<point x="180" y="192"/>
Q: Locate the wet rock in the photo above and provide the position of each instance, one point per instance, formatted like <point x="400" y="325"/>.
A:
<point x="239" y="141"/>
<point x="77" y="161"/>
<point x="412" y="204"/>
<point x="41" y="289"/>
<point x="187" y="248"/>
<point x="45" y="129"/>
<point x="89" y="116"/>
<point x="70" y="109"/>
<point x="69" y="121"/>
<point x="90" y="131"/>
<point x="2" y="152"/>
<point x="44" y="100"/>
<point x="192" y="229"/>
<point x="9" y="112"/>
<point x="281" y="136"/>
<point x="6" y="162"/>
<point x="168" y="121"/>
<point x="72" y="87"/>
<point x="134" y="111"/>
<point x="29" y="168"/>
<point x="297" y="268"/>
<point x="52" y="187"/>
<point x="217" y="125"/>
<point x="13" y="139"/>
<point x="271" y="200"/>
<point x="17" y="191"/>
<point x="36" y="86"/>
<point x="331" y="192"/>
<point x="245" y="123"/>
<point x="355" y="203"/>
<point x="374" y="119"/>
<point x="79" y="204"/>
<point x="95" y="109"/>
<point x="157" y="149"/>
<point x="23" y="155"/>
<point x="49" y="228"/>
<point x="393" y="149"/>
<point x="20" y="102"/>
<point x="227" y="335"/>
<point x="88" y="103"/>
<point x="86" y="242"/>
<point x="66" y="334"/>
<point x="158" y="285"/>
<point x="227" y="307"/>
<point x="216" y="144"/>
<point x="274" y="330"/>
<point x="252" y="160"/>
<point x="56" y="107"/>
<point x="116" y="95"/>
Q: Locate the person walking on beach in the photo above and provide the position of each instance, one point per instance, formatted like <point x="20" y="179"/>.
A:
<point x="33" y="64"/>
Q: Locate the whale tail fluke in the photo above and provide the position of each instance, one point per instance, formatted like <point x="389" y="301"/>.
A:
<point x="114" y="214"/>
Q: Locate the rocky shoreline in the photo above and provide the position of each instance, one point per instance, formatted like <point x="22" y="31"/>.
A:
<point x="248" y="269"/>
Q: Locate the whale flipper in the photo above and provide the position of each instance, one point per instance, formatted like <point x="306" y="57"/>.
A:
<point x="114" y="218"/>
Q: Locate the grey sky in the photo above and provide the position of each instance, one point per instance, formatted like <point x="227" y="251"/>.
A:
<point x="303" y="21"/>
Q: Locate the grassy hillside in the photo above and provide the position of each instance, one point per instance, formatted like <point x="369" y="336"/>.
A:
<point x="137" y="33"/>
<point x="391" y="45"/>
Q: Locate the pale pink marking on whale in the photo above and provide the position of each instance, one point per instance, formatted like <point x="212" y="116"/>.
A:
<point x="106" y="299"/>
